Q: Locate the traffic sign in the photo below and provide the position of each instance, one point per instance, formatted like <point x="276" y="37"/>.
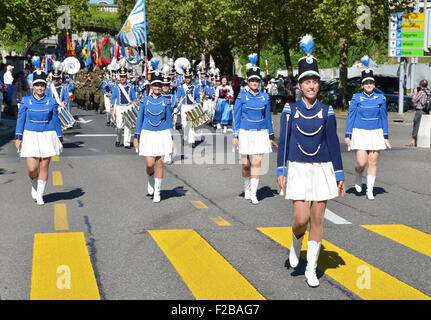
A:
<point x="406" y="35"/>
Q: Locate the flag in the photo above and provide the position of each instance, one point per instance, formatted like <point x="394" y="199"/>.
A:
<point x="88" y="55"/>
<point x="105" y="54"/>
<point x="70" y="50"/>
<point x="134" y="31"/>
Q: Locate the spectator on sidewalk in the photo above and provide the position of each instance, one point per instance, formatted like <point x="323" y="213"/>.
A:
<point x="419" y="99"/>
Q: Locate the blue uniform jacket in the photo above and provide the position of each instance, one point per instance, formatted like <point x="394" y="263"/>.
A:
<point x="155" y="114"/>
<point x="210" y="92"/>
<point x="367" y="112"/>
<point x="62" y="91"/>
<point x="188" y="94"/>
<point x="38" y="115"/>
<point x="309" y="135"/>
<point x="118" y="96"/>
<point x="252" y="112"/>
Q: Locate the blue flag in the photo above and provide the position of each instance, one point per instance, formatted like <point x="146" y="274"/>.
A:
<point x="88" y="63"/>
<point x="134" y="31"/>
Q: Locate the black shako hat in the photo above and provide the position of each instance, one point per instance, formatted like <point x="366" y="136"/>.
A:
<point x="156" y="78"/>
<point x="39" y="77"/>
<point x="253" y="71"/>
<point x="307" y="65"/>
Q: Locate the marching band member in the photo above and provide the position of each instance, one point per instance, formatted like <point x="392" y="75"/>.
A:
<point x="222" y="101"/>
<point x="209" y="98"/>
<point x="172" y="106"/>
<point x="58" y="91"/>
<point x="187" y="95"/>
<point x="107" y="94"/>
<point x="38" y="134"/>
<point x="367" y="129"/>
<point x="309" y="143"/>
<point x="252" y="131"/>
<point x="153" y="134"/>
<point x="123" y="95"/>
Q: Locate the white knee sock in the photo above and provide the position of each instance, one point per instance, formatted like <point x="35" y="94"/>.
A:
<point x="34" y="188"/>
<point x="157" y="185"/>
<point x="370" y="185"/>
<point x="40" y="190"/>
<point x="247" y="188"/>
<point x="358" y="182"/>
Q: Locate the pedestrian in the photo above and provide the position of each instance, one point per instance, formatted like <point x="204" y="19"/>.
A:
<point x="367" y="129"/>
<point x="419" y="99"/>
<point x="153" y="134"/>
<point x="38" y="135"/>
<point x="309" y="155"/>
<point x="223" y="105"/>
<point x="252" y="130"/>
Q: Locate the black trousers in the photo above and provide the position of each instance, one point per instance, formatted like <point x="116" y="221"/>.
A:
<point x="416" y="123"/>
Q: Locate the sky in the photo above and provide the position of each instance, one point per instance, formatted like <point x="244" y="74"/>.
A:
<point x="96" y="1"/>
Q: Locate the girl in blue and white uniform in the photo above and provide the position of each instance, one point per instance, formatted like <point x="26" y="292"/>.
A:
<point x="153" y="134"/>
<point x="252" y="130"/>
<point x="309" y="154"/>
<point x="38" y="135"/>
<point x="367" y="129"/>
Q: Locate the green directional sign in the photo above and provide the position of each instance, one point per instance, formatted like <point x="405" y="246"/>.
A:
<point x="406" y="35"/>
<point x="413" y="34"/>
<point x="412" y="44"/>
<point x="412" y="52"/>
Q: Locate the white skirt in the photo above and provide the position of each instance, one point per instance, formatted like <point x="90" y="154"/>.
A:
<point x="254" y="142"/>
<point x="311" y="181"/>
<point x="155" y="143"/>
<point x="43" y="144"/>
<point x="363" y="139"/>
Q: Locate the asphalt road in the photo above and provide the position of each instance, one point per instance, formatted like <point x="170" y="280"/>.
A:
<point x="203" y="240"/>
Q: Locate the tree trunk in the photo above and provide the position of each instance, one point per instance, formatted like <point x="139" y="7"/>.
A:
<point x="341" y="99"/>
<point x="284" y="43"/>
<point x="223" y="58"/>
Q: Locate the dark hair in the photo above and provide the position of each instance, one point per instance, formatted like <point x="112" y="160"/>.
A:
<point x="423" y="83"/>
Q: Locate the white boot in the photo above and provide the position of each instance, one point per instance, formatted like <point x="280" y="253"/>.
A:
<point x="253" y="190"/>
<point x="150" y="187"/>
<point x="157" y="185"/>
<point x="218" y="126"/>
<point x="40" y="190"/>
<point x="370" y="186"/>
<point x="247" y="188"/>
<point x="313" y="251"/>
<point x="34" y="188"/>
<point x="295" y="251"/>
<point x="358" y="182"/>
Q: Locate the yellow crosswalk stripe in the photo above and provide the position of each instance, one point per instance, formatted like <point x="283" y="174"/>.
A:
<point x="356" y="275"/>
<point x="221" y="222"/>
<point x="60" y="217"/>
<point x="207" y="274"/>
<point x="57" y="178"/>
<point x="407" y="236"/>
<point x="55" y="158"/>
<point x="61" y="268"/>
<point x="199" y="204"/>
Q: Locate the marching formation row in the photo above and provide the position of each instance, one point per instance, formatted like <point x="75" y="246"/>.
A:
<point x="309" y="162"/>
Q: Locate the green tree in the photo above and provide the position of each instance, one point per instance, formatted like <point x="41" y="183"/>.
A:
<point x="342" y="26"/>
<point x="30" y="21"/>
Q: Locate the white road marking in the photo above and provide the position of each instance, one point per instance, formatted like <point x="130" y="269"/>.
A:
<point x="329" y="215"/>
<point x="96" y="135"/>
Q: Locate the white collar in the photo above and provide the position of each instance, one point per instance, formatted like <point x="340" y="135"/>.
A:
<point x="306" y="105"/>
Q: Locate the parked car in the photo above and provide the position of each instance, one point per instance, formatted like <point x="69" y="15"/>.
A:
<point x="392" y="101"/>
